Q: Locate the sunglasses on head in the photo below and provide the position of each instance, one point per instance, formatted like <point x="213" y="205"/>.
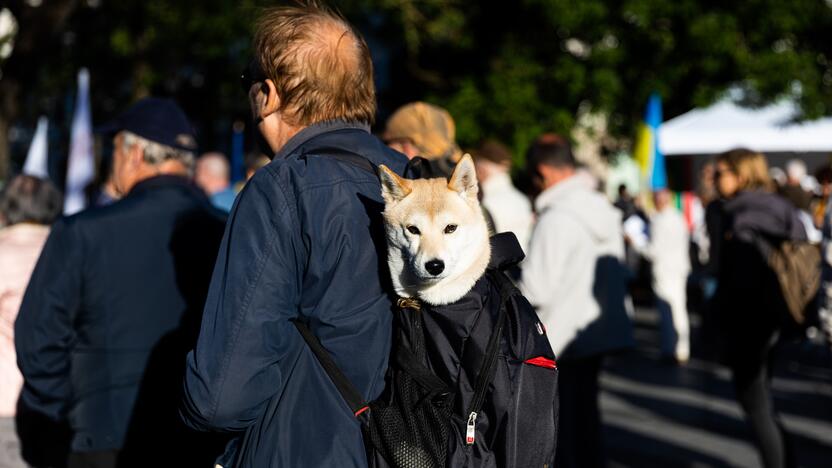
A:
<point x="251" y="74"/>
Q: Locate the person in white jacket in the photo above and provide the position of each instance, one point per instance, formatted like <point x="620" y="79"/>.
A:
<point x="508" y="207"/>
<point x="668" y="251"/>
<point x="574" y="276"/>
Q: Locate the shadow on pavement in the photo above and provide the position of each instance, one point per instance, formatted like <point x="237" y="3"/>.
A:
<point x="629" y="449"/>
<point x="657" y="414"/>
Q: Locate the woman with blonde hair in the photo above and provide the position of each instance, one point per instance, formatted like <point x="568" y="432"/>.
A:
<point x="745" y="168"/>
<point x="752" y="313"/>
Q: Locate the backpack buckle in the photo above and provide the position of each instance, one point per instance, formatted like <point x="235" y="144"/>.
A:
<point x="408" y="303"/>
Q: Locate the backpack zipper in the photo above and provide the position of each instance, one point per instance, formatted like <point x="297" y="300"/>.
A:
<point x="417" y="329"/>
<point x="476" y="402"/>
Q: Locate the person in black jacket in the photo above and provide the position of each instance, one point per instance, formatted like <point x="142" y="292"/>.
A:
<point x="305" y="241"/>
<point x="114" y="304"/>
<point x="751" y="310"/>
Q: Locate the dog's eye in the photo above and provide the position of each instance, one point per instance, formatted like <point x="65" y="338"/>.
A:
<point x="450" y="228"/>
<point x="413" y="230"/>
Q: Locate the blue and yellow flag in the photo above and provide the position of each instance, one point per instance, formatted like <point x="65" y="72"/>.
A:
<point x="646" y="152"/>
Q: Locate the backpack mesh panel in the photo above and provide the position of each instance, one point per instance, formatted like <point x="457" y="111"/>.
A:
<point x="411" y="431"/>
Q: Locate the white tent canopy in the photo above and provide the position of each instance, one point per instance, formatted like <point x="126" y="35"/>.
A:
<point x="725" y="125"/>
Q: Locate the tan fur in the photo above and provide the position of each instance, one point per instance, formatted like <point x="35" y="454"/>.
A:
<point x="431" y="205"/>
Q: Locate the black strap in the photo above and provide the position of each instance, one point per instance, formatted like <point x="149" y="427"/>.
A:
<point x="420" y="373"/>
<point x="347" y="156"/>
<point x="489" y="365"/>
<point x="419" y="167"/>
<point x="353" y="397"/>
<point x="356" y="401"/>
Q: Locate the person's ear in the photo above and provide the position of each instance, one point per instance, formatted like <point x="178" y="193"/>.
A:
<point x="542" y="172"/>
<point x="135" y="156"/>
<point x="409" y="149"/>
<point x="268" y="101"/>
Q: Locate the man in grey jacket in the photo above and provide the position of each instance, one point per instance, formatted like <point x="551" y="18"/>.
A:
<point x="575" y="278"/>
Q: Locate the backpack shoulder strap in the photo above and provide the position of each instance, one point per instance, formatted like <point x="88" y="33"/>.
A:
<point x="351" y="395"/>
<point x="348" y="157"/>
<point x="764" y="245"/>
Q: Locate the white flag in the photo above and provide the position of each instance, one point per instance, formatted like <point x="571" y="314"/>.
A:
<point x="81" y="168"/>
<point x="37" y="162"/>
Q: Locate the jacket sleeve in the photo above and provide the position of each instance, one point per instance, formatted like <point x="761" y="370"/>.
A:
<point x="246" y="335"/>
<point x="654" y="247"/>
<point x="43" y="330"/>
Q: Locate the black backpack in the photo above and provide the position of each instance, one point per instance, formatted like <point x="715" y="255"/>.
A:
<point x="499" y="411"/>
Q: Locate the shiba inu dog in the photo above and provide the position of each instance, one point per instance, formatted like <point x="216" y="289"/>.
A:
<point x="437" y="236"/>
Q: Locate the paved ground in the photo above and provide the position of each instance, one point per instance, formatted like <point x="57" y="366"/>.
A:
<point x="659" y="415"/>
<point x="9" y="446"/>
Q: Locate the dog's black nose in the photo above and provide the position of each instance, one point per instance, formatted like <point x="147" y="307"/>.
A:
<point x="435" y="267"/>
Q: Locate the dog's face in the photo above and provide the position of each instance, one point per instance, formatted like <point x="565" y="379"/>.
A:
<point x="435" y="227"/>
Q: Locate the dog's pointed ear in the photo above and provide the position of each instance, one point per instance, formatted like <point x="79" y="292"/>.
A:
<point x="464" y="178"/>
<point x="393" y="187"/>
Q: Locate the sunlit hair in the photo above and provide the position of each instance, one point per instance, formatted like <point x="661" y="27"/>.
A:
<point x="157" y="153"/>
<point x="29" y="199"/>
<point x="750" y="168"/>
<point x="319" y="64"/>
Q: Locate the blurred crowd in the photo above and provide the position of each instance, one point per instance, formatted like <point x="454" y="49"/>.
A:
<point x="99" y="310"/>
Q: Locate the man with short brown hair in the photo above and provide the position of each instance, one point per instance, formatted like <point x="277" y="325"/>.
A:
<point x="319" y="65"/>
<point x="303" y="243"/>
<point x="573" y="276"/>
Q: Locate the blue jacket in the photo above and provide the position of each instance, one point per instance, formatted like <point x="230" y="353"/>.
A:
<point x="304" y="240"/>
<point x="110" y="312"/>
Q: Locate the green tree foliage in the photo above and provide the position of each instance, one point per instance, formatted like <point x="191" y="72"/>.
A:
<point x="504" y="69"/>
<point x="192" y="51"/>
<point x="514" y="69"/>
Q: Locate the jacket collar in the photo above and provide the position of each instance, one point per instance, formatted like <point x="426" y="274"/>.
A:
<point x="165" y="180"/>
<point x="551" y="195"/>
<point x="315" y="130"/>
<point x="505" y="251"/>
<point x="755" y="211"/>
<point x="497" y="182"/>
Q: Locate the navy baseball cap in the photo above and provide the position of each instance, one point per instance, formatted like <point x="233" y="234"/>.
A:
<point x="155" y="119"/>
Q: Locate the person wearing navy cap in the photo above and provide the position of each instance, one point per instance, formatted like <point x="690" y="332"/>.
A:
<point x="115" y="302"/>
